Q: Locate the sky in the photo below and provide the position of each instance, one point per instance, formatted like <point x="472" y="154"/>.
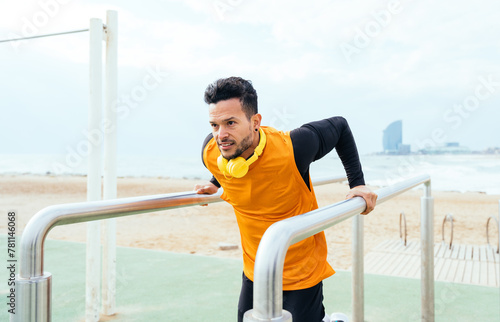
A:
<point x="433" y="65"/>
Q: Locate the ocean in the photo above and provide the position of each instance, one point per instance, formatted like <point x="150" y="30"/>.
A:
<point x="465" y="172"/>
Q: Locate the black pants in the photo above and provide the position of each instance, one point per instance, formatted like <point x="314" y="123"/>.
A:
<point x="305" y="305"/>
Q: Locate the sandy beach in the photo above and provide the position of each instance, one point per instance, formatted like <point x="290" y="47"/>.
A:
<point x="200" y="230"/>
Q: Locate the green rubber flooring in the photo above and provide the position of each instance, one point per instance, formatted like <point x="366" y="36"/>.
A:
<point x="163" y="286"/>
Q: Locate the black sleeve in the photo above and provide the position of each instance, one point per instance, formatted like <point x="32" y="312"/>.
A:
<point x="314" y="140"/>
<point x="205" y="142"/>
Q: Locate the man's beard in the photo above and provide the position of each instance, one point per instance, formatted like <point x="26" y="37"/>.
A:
<point x="245" y="144"/>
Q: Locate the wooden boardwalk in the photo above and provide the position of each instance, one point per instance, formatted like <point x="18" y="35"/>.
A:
<point x="469" y="264"/>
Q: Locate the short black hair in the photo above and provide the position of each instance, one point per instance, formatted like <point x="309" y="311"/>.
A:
<point x="233" y="87"/>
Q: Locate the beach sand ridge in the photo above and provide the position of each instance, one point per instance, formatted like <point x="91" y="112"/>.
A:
<point x="200" y="230"/>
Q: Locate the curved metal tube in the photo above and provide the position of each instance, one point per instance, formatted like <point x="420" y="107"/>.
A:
<point x="448" y="217"/>
<point x="488" y="232"/>
<point x="33" y="237"/>
<point x="269" y="262"/>
<point x="402" y="219"/>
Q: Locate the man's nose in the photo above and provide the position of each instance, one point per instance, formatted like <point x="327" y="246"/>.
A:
<point x="222" y="133"/>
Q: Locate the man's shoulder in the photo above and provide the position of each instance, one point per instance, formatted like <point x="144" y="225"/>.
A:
<point x="314" y="128"/>
<point x="208" y="145"/>
<point x="207" y="140"/>
<point x="273" y="133"/>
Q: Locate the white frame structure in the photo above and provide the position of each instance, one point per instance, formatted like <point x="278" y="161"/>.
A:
<point x="35" y="291"/>
<point x="107" y="127"/>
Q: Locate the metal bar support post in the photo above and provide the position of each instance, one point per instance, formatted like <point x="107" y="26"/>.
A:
<point x="427" y="255"/>
<point x="357" y="285"/>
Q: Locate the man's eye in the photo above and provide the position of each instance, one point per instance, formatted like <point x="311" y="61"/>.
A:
<point x="230" y="123"/>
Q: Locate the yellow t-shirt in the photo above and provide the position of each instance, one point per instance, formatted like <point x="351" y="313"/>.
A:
<point x="273" y="190"/>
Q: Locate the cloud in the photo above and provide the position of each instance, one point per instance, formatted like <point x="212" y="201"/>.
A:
<point x="425" y="56"/>
<point x="142" y="41"/>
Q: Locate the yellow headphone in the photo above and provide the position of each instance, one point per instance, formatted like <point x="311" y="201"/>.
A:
<point x="238" y="167"/>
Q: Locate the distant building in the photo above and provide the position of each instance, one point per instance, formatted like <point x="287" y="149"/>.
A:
<point x="393" y="139"/>
<point x="404" y="149"/>
<point x="447" y="148"/>
<point x="393" y="136"/>
<point x="493" y="150"/>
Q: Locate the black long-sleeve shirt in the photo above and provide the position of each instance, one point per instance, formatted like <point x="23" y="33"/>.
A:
<point x="314" y="140"/>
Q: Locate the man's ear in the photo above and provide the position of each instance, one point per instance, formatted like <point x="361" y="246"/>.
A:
<point x="256" y="119"/>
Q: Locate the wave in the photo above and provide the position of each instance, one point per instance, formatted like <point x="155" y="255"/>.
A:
<point x="448" y="172"/>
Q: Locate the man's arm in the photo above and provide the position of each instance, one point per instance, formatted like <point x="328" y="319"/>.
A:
<point x="314" y="140"/>
<point x="365" y="193"/>
<point x="213" y="185"/>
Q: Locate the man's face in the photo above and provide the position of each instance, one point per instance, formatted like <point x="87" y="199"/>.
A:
<point x="231" y="128"/>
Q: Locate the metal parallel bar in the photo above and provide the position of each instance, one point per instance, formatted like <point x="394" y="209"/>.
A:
<point x="47" y="35"/>
<point x="327" y="180"/>
<point x="268" y="269"/>
<point x="33" y="237"/>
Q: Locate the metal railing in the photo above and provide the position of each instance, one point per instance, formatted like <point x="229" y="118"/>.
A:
<point x="33" y="285"/>
<point x="269" y="262"/>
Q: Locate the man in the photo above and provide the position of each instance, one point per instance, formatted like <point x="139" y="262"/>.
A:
<point x="265" y="177"/>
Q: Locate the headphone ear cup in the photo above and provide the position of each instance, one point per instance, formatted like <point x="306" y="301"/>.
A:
<point x="237" y="167"/>
<point x="222" y="164"/>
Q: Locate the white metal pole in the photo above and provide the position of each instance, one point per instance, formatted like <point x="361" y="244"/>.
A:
<point x="427" y="254"/>
<point x="498" y="247"/>
<point x="110" y="183"/>
<point x="93" y="259"/>
<point x="358" y="305"/>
